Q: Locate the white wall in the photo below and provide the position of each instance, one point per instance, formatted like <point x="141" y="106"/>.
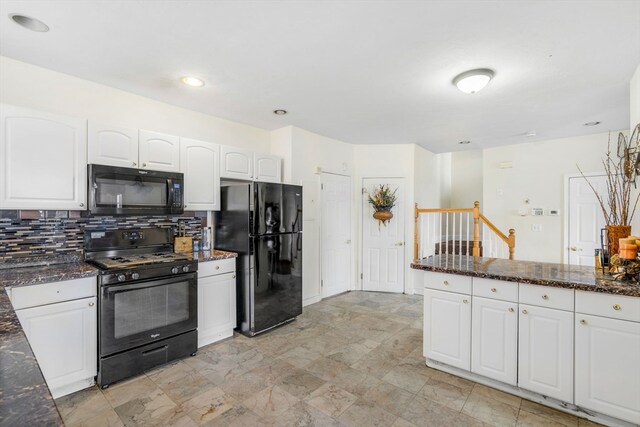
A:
<point x="538" y="174"/>
<point x="466" y="178"/>
<point x="26" y="85"/>
<point x="634" y="89"/>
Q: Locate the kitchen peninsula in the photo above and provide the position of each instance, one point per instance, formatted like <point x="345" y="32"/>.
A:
<point x="561" y="335"/>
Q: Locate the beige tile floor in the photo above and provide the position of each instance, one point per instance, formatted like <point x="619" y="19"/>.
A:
<point x="351" y="360"/>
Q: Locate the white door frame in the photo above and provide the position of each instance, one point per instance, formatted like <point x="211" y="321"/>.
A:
<point x="567" y="230"/>
<point x="361" y="230"/>
<point x="320" y="219"/>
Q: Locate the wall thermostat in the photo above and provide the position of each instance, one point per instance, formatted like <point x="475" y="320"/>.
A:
<point x="537" y="211"/>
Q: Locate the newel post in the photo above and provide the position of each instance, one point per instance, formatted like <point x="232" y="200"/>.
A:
<point x="415" y="233"/>
<point x="476" y="228"/>
<point x="512" y="242"/>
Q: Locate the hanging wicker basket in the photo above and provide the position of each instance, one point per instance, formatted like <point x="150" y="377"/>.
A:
<point x="383" y="214"/>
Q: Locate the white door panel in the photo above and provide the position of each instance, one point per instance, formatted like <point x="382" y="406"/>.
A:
<point x="159" y="151"/>
<point x="383" y="245"/>
<point x="200" y="164"/>
<point x="113" y="145"/>
<point x="585" y="219"/>
<point x="336" y="234"/>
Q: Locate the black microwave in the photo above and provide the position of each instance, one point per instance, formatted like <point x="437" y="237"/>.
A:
<point x="126" y="191"/>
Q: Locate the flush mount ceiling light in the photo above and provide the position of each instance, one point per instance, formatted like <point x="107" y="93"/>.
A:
<point x="464" y="142"/>
<point x="473" y="81"/>
<point x="192" y="81"/>
<point x="530" y="134"/>
<point x="592" y="124"/>
<point x="280" y="112"/>
<point x="29" y="23"/>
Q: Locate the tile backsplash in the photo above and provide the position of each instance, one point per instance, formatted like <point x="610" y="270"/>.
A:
<point x="60" y="233"/>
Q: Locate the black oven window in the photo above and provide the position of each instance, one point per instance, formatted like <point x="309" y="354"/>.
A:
<point x="150" y="308"/>
<point x="120" y="192"/>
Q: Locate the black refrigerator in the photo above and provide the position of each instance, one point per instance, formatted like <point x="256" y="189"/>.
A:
<point x="262" y="222"/>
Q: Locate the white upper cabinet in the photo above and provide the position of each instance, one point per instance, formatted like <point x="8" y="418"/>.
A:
<point x="200" y="164"/>
<point x="236" y="163"/>
<point x="43" y="160"/>
<point x="159" y="151"/>
<point x="113" y="145"/>
<point x="267" y="168"/>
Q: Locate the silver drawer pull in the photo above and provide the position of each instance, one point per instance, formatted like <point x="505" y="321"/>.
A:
<point x="466" y="301"/>
<point x="525" y="312"/>
<point x="446" y="283"/>
<point x="545" y="296"/>
<point x="583" y="322"/>
<point x="217" y="267"/>
<point x="617" y="307"/>
<point x="510" y="309"/>
<point x="494" y="290"/>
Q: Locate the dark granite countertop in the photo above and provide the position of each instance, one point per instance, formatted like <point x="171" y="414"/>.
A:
<point x="213" y="255"/>
<point x="536" y="273"/>
<point x="25" y="276"/>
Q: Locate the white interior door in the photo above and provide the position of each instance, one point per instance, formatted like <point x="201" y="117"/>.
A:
<point x="585" y="219"/>
<point x="383" y="245"/>
<point x="336" y="234"/>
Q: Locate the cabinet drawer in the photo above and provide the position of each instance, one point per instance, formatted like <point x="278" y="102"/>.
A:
<point x="546" y="296"/>
<point x="495" y="289"/>
<point x="49" y="293"/>
<point x="448" y="282"/>
<point x="608" y="305"/>
<point x="221" y="266"/>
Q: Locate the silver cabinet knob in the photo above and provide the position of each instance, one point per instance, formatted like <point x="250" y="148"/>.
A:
<point x="234" y="276"/>
<point x="617" y="307"/>
<point x="466" y="301"/>
<point x="217" y="267"/>
<point x="494" y="290"/>
<point x="81" y="205"/>
<point x="134" y="163"/>
<point x="525" y="312"/>
<point x="399" y="243"/>
<point x="91" y="304"/>
<point x="144" y="165"/>
<point x="511" y="310"/>
<point x="446" y="283"/>
<point x="583" y="322"/>
<point x="545" y="297"/>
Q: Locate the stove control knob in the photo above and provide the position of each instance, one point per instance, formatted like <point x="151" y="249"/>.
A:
<point x="135" y="276"/>
<point x="185" y="268"/>
<point x="121" y="277"/>
<point x="175" y="270"/>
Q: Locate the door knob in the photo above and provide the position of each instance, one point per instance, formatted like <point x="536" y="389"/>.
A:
<point x="399" y="243"/>
<point x="575" y="249"/>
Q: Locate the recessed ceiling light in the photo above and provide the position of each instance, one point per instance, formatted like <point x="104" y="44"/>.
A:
<point x="592" y="124"/>
<point x="464" y="142"/>
<point x="192" y="81"/>
<point x="473" y="81"/>
<point x="29" y="23"/>
<point x="530" y="134"/>
<point x="280" y="112"/>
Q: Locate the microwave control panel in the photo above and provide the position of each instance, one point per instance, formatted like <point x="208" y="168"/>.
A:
<point x="177" y="195"/>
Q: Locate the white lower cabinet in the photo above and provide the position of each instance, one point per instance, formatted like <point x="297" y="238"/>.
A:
<point x="545" y="351"/>
<point x="607" y="366"/>
<point x="216" y="301"/>
<point x="447" y="332"/>
<point x="63" y="337"/>
<point x="494" y="339"/>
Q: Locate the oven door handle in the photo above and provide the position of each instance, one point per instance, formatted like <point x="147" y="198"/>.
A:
<point x="147" y="284"/>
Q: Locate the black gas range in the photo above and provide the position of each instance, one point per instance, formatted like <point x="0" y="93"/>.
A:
<point x="147" y="305"/>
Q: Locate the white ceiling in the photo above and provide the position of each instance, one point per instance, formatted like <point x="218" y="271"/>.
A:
<point x="364" y="72"/>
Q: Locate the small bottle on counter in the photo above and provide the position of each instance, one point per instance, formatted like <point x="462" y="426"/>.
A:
<point x="196" y="245"/>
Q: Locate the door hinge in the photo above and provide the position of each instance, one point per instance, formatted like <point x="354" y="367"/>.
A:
<point x="321" y="283"/>
<point x="322" y="186"/>
<point x="361" y="276"/>
<point x="364" y="190"/>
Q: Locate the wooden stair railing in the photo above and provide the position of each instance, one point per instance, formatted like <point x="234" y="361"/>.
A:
<point x="477" y="248"/>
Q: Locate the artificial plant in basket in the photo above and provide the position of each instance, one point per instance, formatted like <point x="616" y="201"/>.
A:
<point x="382" y="199"/>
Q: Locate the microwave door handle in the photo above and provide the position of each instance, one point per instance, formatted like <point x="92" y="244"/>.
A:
<point x="170" y="192"/>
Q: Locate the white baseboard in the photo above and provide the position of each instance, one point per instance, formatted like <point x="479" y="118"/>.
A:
<point x="311" y="300"/>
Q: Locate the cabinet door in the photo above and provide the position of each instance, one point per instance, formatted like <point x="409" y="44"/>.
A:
<point x="43" y="160"/>
<point x="545" y="356"/>
<point x="236" y="163"/>
<point x="494" y="340"/>
<point x="159" y="151"/>
<point x="607" y="367"/>
<point x="200" y="164"/>
<point x="447" y="328"/>
<point x="267" y="168"/>
<point x="63" y="337"/>
<point x="216" y="307"/>
<point x="113" y="145"/>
